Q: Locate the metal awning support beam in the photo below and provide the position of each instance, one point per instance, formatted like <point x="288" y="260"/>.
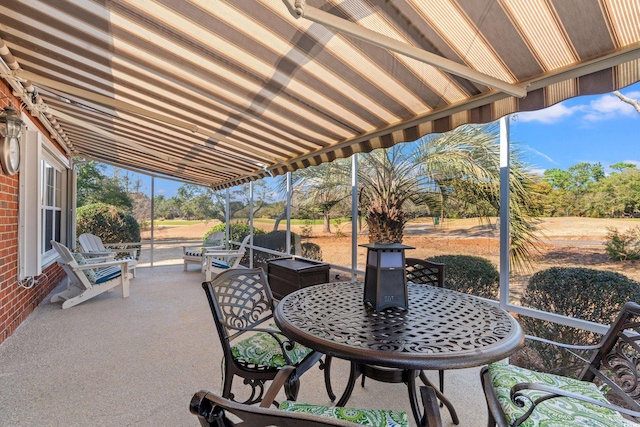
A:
<point x="299" y="9"/>
<point x="117" y="104"/>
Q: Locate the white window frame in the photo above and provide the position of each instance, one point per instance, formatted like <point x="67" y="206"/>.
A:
<point x="47" y="158"/>
<point x="35" y="149"/>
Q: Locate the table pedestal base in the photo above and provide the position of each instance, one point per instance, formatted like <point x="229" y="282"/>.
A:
<point x="391" y="375"/>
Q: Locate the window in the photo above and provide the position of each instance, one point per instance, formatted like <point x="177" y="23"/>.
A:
<point x="51" y="206"/>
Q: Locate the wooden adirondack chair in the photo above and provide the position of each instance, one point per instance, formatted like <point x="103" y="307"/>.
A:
<point x="195" y="254"/>
<point x="84" y="286"/>
<point x="219" y="259"/>
<point x="92" y="246"/>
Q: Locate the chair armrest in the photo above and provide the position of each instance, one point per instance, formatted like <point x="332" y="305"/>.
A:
<point x="101" y="265"/>
<point x="138" y="245"/>
<point x="520" y="399"/>
<point x="278" y="381"/>
<point x="223" y="253"/>
<point x="563" y="345"/>
<point x="96" y="257"/>
<point x="431" y="416"/>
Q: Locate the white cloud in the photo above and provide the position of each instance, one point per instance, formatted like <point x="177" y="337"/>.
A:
<point x="161" y="191"/>
<point x="605" y="107"/>
<point x="537" y="171"/>
<point x="553" y="114"/>
<point x="539" y="153"/>
<point x="608" y="107"/>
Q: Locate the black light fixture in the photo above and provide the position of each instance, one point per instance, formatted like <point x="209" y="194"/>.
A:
<point x="385" y="280"/>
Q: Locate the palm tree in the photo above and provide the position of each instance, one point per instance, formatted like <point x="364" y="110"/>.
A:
<point x="390" y="183"/>
<point x="460" y="166"/>
<point x="320" y="188"/>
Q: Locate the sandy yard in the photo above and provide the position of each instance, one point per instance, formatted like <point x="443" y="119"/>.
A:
<point x="563" y="241"/>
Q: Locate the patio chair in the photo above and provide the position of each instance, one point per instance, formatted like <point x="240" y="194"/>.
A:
<point x="212" y="410"/>
<point x="195" y="254"/>
<point x="517" y="396"/>
<point x="93" y="247"/>
<point x="86" y="280"/>
<point x="242" y="304"/>
<point x="422" y="272"/>
<point x="223" y="259"/>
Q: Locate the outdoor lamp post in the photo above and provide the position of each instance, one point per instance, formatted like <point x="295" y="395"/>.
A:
<point x="385" y="280"/>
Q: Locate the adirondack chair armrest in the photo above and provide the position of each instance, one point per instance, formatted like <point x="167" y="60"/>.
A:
<point x="137" y="245"/>
<point x="224" y="253"/>
<point x="113" y="249"/>
<point x="98" y="256"/>
<point x="121" y="262"/>
<point x="186" y="248"/>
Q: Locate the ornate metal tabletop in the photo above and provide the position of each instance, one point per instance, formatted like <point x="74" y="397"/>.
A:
<point x="442" y="329"/>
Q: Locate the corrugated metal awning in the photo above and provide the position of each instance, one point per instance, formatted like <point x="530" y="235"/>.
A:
<point x="220" y="92"/>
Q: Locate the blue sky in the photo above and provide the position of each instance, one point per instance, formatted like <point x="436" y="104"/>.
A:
<point x="592" y="129"/>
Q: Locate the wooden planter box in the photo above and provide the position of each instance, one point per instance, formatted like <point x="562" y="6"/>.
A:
<point x="287" y="275"/>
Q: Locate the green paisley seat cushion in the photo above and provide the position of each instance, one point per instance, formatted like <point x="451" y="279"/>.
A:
<point x="262" y="349"/>
<point x="365" y="417"/>
<point x="555" y="412"/>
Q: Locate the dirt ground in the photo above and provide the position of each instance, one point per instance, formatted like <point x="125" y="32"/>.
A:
<point x="576" y="242"/>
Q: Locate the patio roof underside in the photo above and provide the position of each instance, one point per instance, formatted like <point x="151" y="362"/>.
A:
<point x="220" y="92"/>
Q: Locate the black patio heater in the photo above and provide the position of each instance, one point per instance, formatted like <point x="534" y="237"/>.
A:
<point x="385" y="279"/>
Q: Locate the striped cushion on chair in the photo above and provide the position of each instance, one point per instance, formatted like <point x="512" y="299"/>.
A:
<point x="194" y="253"/>
<point x="106" y="274"/>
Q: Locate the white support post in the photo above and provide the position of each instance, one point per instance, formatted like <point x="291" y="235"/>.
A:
<point x="227" y="229"/>
<point x="251" y="224"/>
<point x="153" y="210"/>
<point x="505" y="236"/>
<point x="354" y="216"/>
<point x="288" y="244"/>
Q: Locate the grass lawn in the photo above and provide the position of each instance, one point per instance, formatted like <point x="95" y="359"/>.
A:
<point x="178" y="222"/>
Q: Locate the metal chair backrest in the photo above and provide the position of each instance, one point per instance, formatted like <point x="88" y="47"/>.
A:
<point x="424" y="272"/>
<point x="616" y="362"/>
<point x="240" y="298"/>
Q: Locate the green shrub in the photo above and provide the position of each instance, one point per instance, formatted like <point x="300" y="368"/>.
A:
<point x="311" y="251"/>
<point x="237" y="232"/>
<point x="623" y="246"/>
<point x="470" y="274"/>
<point x="108" y="223"/>
<point x="582" y="293"/>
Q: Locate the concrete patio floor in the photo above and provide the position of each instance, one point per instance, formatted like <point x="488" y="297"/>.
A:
<point x="137" y="361"/>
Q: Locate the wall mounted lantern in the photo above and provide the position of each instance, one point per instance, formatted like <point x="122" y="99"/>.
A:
<point x="10" y="131"/>
<point x="385" y="280"/>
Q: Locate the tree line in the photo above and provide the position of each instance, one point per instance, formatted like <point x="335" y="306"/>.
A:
<point x="585" y="190"/>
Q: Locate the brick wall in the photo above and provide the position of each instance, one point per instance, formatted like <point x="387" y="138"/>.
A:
<point x="16" y="303"/>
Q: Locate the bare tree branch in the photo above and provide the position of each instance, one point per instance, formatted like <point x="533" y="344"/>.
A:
<point x="634" y="102"/>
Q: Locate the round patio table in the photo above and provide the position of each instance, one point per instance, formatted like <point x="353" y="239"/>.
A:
<point x="441" y="329"/>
